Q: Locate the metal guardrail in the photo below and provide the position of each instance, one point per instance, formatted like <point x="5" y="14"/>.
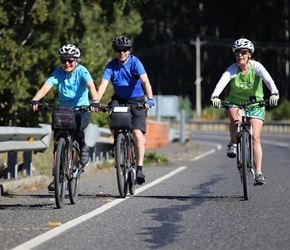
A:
<point x="100" y="141"/>
<point x="222" y="125"/>
<point x="14" y="139"/>
<point x="25" y="139"/>
<point x="17" y="139"/>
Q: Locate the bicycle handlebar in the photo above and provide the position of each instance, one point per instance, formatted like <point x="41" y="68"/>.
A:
<point x="243" y="105"/>
<point x="138" y="106"/>
<point x="48" y="107"/>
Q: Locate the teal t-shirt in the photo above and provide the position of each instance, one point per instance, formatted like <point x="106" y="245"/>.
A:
<point x="72" y="87"/>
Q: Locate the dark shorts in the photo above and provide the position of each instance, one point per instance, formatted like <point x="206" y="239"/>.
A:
<point x="138" y="116"/>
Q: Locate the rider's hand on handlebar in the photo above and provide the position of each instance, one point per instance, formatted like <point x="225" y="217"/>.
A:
<point x="216" y="102"/>
<point x="94" y="105"/>
<point x="34" y="104"/>
<point x="273" y="100"/>
<point x="150" y="102"/>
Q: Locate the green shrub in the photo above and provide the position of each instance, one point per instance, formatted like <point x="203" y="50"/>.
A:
<point x="153" y="158"/>
<point x="211" y="113"/>
<point x="185" y="104"/>
<point x="282" y="111"/>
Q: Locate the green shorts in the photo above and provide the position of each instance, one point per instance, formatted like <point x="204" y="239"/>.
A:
<point x="255" y="112"/>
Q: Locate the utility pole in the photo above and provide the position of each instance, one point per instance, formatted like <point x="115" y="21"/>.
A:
<point x="197" y="43"/>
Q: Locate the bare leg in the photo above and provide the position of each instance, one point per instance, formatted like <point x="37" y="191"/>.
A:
<point x="234" y="117"/>
<point x="258" y="152"/>
<point x="139" y="146"/>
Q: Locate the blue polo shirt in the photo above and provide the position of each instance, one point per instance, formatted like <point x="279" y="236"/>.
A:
<point x="72" y="87"/>
<point x="125" y="77"/>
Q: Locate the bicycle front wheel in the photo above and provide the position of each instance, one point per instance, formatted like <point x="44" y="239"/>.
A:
<point x="59" y="173"/>
<point x="121" y="150"/>
<point x="75" y="175"/>
<point x="245" y="172"/>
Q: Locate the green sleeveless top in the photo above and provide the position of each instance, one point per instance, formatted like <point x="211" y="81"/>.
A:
<point x="244" y="86"/>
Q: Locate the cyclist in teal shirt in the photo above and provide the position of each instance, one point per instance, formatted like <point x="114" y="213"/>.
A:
<point x="131" y="84"/>
<point x="73" y="82"/>
<point x="72" y="87"/>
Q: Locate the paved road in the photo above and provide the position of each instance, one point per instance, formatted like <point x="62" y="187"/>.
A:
<point x="193" y="202"/>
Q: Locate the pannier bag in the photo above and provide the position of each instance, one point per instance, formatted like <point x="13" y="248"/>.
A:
<point x="63" y="118"/>
<point x="121" y="118"/>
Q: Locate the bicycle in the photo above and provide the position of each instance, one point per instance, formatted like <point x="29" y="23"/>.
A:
<point x="124" y="148"/>
<point x="245" y="152"/>
<point x="66" y="153"/>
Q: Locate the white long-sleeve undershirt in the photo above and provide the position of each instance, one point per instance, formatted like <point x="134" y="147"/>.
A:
<point x="232" y="70"/>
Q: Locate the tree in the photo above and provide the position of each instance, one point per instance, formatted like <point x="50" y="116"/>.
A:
<point x="31" y="36"/>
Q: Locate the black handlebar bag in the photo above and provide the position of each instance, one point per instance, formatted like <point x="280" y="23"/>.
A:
<point x="121" y="118"/>
<point x="63" y="118"/>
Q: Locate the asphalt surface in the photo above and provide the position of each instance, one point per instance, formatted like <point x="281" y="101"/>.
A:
<point x="173" y="152"/>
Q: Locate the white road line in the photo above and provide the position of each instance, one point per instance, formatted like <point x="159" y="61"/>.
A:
<point x="203" y="155"/>
<point x="207" y="143"/>
<point x="153" y="183"/>
<point x="56" y="231"/>
<point x="280" y="144"/>
<point x="217" y="145"/>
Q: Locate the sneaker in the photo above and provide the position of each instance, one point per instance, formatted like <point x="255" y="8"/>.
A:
<point x="51" y="186"/>
<point x="85" y="155"/>
<point x="140" y="177"/>
<point x="232" y="150"/>
<point x="259" y="179"/>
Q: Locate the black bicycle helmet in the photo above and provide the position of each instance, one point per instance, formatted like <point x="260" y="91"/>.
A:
<point x="121" y="41"/>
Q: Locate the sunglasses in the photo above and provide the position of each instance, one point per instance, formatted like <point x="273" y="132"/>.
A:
<point x="121" y="50"/>
<point x="67" y="60"/>
<point x="240" y="51"/>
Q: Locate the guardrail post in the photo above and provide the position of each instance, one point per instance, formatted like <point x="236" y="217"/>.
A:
<point x="182" y="127"/>
<point x="100" y="151"/>
<point x="92" y="154"/>
<point x="27" y="160"/>
<point x="12" y="171"/>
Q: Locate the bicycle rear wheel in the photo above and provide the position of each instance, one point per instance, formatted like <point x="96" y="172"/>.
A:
<point x="75" y="175"/>
<point x="245" y="172"/>
<point x="132" y="172"/>
<point x="121" y="150"/>
<point x="59" y="174"/>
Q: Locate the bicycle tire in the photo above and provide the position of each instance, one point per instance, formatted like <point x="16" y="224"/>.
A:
<point x="75" y="175"/>
<point x="59" y="174"/>
<point x="121" y="164"/>
<point x="245" y="172"/>
<point x="132" y="172"/>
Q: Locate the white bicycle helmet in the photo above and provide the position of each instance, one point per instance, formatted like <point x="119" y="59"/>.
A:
<point x="69" y="50"/>
<point x="121" y="41"/>
<point x="243" y="43"/>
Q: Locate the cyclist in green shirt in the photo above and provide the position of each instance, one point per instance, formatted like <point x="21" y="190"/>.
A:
<point x="246" y="79"/>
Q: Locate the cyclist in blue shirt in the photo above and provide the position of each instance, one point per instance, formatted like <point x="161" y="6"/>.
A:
<point x="73" y="82"/>
<point x="131" y="84"/>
